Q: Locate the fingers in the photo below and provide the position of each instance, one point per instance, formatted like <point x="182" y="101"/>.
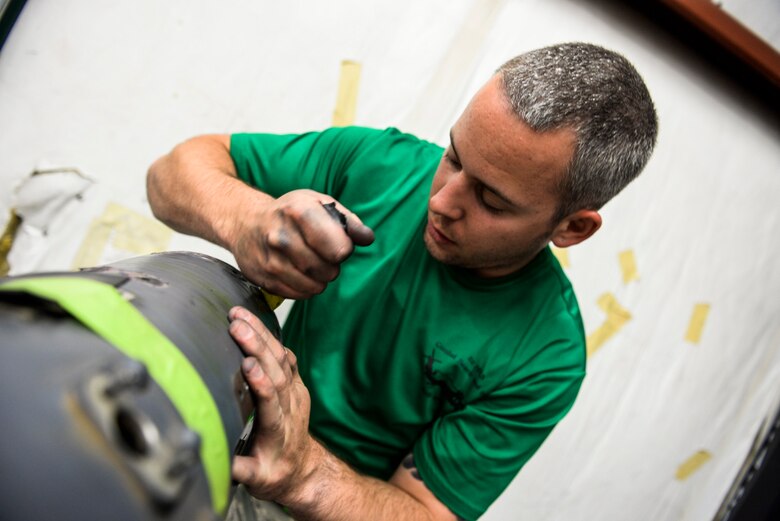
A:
<point x="306" y="277"/>
<point x="271" y="390"/>
<point x="323" y="234"/>
<point x="244" y="469"/>
<point x="286" y="283"/>
<point x="295" y="246"/>
<point x="280" y="441"/>
<point x="265" y="337"/>
<point x="266" y="368"/>
<point x="299" y="247"/>
<point x="276" y="287"/>
<point x="293" y="252"/>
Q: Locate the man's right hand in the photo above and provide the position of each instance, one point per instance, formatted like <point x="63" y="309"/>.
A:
<point x="292" y="246"/>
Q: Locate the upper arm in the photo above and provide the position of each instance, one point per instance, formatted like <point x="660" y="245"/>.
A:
<point x="192" y="154"/>
<point x="188" y="164"/>
<point x="207" y="149"/>
<point x="280" y="163"/>
<point x="219" y="139"/>
<point x="408" y="479"/>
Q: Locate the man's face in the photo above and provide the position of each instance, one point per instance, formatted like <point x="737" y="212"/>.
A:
<point x="493" y="197"/>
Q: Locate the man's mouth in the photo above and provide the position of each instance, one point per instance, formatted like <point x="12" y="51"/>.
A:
<point x="437" y="235"/>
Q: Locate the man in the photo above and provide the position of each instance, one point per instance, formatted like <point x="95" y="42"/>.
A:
<point x="432" y="360"/>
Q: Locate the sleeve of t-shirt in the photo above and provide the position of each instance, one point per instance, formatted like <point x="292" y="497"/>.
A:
<point x="468" y="457"/>
<point x="277" y="164"/>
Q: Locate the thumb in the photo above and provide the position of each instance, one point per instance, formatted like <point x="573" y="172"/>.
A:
<point x="360" y="234"/>
<point x="244" y="470"/>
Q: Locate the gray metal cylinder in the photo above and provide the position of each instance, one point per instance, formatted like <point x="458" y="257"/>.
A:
<point x="87" y="434"/>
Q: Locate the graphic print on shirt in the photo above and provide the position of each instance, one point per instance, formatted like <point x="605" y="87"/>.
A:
<point x="449" y="377"/>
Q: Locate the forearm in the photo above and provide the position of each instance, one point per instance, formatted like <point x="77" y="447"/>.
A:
<point x="332" y="491"/>
<point x="194" y="190"/>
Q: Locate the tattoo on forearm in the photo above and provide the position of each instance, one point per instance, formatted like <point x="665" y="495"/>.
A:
<point x="408" y="463"/>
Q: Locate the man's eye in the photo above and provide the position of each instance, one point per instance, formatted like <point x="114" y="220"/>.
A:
<point x="454" y="162"/>
<point x="485" y="204"/>
<point x="491" y="209"/>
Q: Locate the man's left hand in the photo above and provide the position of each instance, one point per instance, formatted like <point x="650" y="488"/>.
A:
<point x="277" y="459"/>
<point x="285" y="464"/>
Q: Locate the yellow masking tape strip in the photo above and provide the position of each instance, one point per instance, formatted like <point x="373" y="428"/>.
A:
<point x="696" y="325"/>
<point x="93" y="246"/>
<point x="628" y="266"/>
<point x="692" y="464"/>
<point x="617" y="317"/>
<point x="346" y="102"/>
<point x="563" y="256"/>
<point x="122" y="229"/>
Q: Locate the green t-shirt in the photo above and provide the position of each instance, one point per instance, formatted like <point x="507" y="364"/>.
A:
<point x="404" y="354"/>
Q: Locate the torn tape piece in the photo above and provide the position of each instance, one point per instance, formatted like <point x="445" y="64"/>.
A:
<point x="346" y="100"/>
<point x="7" y="241"/>
<point x="628" y="266"/>
<point x="697" y="322"/>
<point x="273" y="301"/>
<point x="617" y="317"/>
<point x="692" y="464"/>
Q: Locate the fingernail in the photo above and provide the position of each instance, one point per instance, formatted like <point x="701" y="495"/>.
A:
<point x="249" y="364"/>
<point x="239" y="328"/>
<point x="235" y="312"/>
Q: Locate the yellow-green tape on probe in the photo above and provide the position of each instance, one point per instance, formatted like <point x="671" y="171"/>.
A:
<point x="101" y="308"/>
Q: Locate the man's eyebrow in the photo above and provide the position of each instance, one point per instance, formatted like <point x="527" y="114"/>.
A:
<point x="487" y="187"/>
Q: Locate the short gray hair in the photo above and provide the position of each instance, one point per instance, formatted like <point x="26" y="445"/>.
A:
<point x="598" y="94"/>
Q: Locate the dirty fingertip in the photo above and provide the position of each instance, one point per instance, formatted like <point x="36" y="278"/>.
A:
<point x="234" y="312"/>
<point x="250" y="364"/>
<point x="361" y="234"/>
<point x="239" y="329"/>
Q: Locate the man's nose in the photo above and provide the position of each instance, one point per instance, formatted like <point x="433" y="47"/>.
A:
<point x="449" y="201"/>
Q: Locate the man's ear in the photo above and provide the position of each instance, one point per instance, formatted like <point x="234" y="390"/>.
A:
<point x="576" y="228"/>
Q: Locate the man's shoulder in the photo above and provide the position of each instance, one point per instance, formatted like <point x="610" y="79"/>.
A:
<point x="348" y="142"/>
<point x="377" y="136"/>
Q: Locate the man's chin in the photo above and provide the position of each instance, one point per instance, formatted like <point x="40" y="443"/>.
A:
<point x="434" y="249"/>
<point x="437" y="253"/>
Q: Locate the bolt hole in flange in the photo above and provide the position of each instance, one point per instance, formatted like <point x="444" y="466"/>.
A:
<point x="136" y="432"/>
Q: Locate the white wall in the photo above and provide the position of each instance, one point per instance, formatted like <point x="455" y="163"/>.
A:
<point x="760" y="16"/>
<point x="109" y="86"/>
